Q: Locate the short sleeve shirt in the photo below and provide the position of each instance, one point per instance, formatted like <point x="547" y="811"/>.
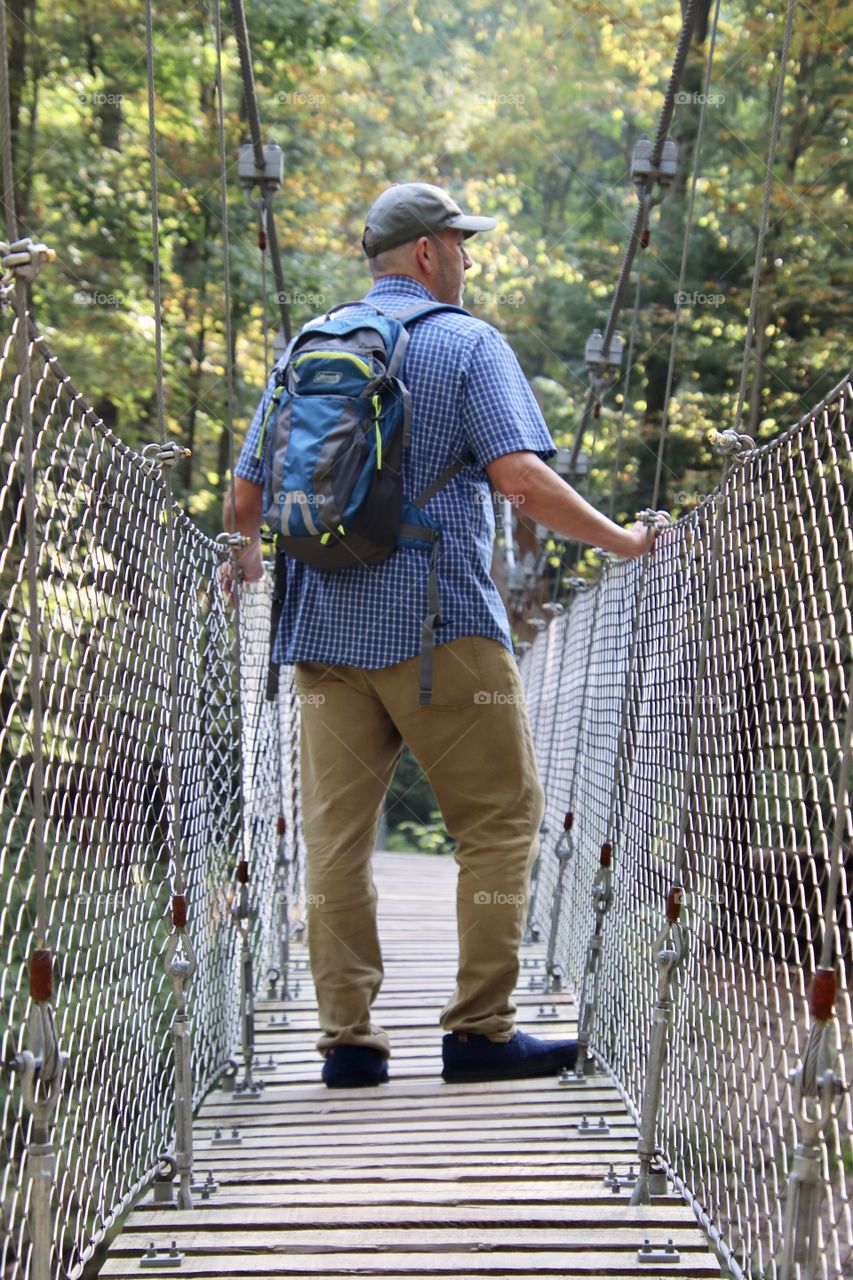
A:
<point x="469" y="396"/>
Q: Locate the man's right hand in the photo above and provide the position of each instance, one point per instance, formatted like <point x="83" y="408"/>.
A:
<point x="639" y="537"/>
<point x="250" y="568"/>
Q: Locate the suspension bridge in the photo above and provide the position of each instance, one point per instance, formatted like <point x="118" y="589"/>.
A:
<point x="689" y="915"/>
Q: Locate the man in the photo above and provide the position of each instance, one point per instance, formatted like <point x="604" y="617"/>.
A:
<point x="354" y="635"/>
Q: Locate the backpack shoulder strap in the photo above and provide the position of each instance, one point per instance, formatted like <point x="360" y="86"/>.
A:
<point x="442" y="479"/>
<point x="428" y="309"/>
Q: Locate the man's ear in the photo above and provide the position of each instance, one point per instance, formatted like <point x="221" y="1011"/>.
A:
<point x="425" y="253"/>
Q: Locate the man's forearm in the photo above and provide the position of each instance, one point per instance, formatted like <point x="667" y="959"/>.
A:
<point x="544" y="497"/>
<point x="245" y="517"/>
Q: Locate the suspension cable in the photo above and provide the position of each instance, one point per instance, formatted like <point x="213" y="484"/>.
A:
<point x="28" y="451"/>
<point x="636" y="235"/>
<point x="270" y="235"/>
<point x="626" y="391"/>
<point x="685" y="248"/>
<point x="671" y="945"/>
<point x="179" y="961"/>
<point x="42" y="1063"/>
<point x="765" y="210"/>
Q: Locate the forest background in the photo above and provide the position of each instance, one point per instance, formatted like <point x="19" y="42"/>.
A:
<point x="529" y="112"/>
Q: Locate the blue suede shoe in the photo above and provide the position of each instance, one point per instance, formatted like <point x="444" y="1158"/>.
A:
<point x="351" y="1066"/>
<point x="471" y="1057"/>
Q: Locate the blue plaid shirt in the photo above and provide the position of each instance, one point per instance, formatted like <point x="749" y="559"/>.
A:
<point x="468" y="394"/>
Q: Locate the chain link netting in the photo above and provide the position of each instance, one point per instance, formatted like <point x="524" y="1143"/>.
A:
<point x="762" y="794"/>
<point x="103" y="579"/>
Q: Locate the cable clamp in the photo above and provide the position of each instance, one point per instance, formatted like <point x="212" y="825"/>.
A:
<point x="595" y="357"/>
<point x="731" y="444"/>
<point x="644" y="171"/>
<point x="23" y="258"/>
<point x="270" y="178"/>
<point x="166" y="453"/>
<point x="655" y="519"/>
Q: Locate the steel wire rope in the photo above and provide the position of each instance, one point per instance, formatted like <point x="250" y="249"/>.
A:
<point x="765" y="212"/>
<point x="842" y="819"/>
<point x="230" y="411"/>
<point x="28" y="451"/>
<point x="717" y="545"/>
<point x="688" y="226"/>
<point x="241" y="33"/>
<point x="671" y="944"/>
<point x="626" y="391"/>
<point x="179" y="883"/>
<point x="634" y="238"/>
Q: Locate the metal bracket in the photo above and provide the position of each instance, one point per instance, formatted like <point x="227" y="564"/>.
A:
<point x="228" y="1077"/>
<point x="164" y="1185"/>
<point x="615" y="1183"/>
<point x="248" y="1091"/>
<point x="601" y="1129"/>
<point x="661" y="1254"/>
<point x="569" y="1075"/>
<point x="219" y="1141"/>
<point x="547" y="1012"/>
<point x="206" y="1188"/>
<point x="162" y="1257"/>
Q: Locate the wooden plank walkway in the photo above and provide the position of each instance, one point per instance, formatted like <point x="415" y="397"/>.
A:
<point x="417" y="1177"/>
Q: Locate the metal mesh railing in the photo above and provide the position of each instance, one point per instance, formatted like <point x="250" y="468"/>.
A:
<point x="762" y="794"/>
<point x="102" y="579"/>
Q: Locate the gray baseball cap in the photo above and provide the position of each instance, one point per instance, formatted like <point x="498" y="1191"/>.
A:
<point x="411" y="209"/>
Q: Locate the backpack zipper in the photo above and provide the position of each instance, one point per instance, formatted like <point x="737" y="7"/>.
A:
<point x="377" y="409"/>
<point x="273" y="403"/>
<point x="344" y="355"/>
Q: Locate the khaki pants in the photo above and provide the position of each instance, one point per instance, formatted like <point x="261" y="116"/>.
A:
<point x="474" y="745"/>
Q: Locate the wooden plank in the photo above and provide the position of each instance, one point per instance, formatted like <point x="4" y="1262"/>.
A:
<point x="418" y="1177"/>
<point x="417" y="1239"/>
<point x="211" y="1216"/>
<point x="466" y="1264"/>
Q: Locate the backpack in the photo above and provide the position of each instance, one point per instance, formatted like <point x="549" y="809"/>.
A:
<point x="332" y="443"/>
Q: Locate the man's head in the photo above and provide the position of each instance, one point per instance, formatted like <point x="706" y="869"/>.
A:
<point x="418" y="230"/>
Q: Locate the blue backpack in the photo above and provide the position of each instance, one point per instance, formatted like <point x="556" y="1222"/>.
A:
<point x="332" y="443"/>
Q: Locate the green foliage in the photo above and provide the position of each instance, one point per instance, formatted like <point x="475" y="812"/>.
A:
<point x="429" y="837"/>
<point x="530" y="112"/>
